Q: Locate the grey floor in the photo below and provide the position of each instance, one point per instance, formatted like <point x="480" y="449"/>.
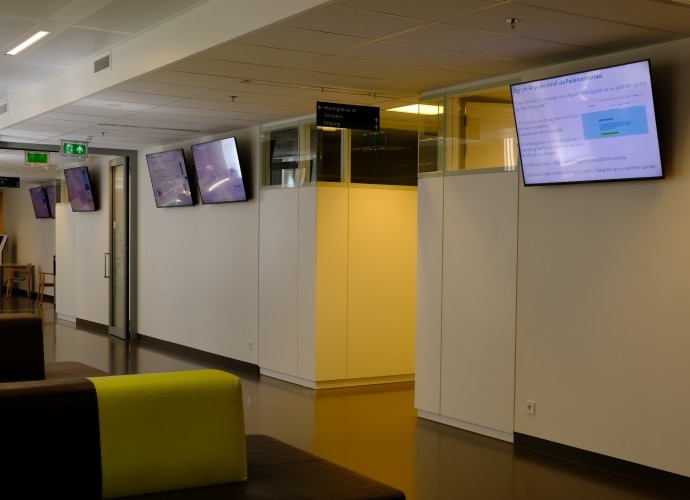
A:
<point x="374" y="430"/>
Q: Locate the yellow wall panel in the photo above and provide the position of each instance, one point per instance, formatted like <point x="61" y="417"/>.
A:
<point x="382" y="260"/>
<point x="331" y="282"/>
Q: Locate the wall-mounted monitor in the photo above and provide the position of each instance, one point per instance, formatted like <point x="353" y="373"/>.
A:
<point x="51" y="191"/>
<point x="80" y="190"/>
<point x="39" y="200"/>
<point x="218" y="171"/>
<point x="593" y="126"/>
<point x="170" y="179"/>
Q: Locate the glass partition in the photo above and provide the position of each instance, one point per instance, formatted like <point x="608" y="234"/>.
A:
<point x="431" y="134"/>
<point x="482" y="129"/>
<point x="469" y="129"/>
<point x="299" y="153"/>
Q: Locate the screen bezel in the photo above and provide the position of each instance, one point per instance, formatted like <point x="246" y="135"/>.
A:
<point x="151" y="157"/>
<point x="89" y="205"/>
<point x="200" y="179"/>
<point x="36" y="203"/>
<point x="653" y="130"/>
<point x="52" y="201"/>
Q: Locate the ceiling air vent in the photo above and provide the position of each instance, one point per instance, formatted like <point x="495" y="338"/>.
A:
<point x="3" y="108"/>
<point x="101" y="64"/>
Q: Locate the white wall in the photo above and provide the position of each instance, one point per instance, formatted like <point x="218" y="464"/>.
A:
<point x="603" y="294"/>
<point x="199" y="266"/>
<point x="466" y="328"/>
<point x="287" y="284"/>
<point x="603" y="287"/>
<point x="30" y="239"/>
<point x="278" y="281"/>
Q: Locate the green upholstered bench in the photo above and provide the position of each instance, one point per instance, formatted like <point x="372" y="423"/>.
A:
<point x="176" y="435"/>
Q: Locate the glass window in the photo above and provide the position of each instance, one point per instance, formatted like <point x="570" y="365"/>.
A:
<point x="482" y="129"/>
<point x="281" y="156"/>
<point x="298" y="153"/>
<point x="329" y="153"/>
<point x="387" y="156"/>
<point x="431" y="133"/>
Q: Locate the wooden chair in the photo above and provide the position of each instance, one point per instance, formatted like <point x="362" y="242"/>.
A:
<point x="45" y="279"/>
<point x="19" y="275"/>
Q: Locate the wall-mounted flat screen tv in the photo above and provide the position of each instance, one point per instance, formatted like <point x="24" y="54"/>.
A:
<point x="80" y="190"/>
<point x="51" y="191"/>
<point x="218" y="171"/>
<point x="598" y="125"/>
<point x="39" y="200"/>
<point x="170" y="179"/>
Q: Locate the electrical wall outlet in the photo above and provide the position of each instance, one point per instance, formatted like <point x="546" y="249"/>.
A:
<point x="250" y="345"/>
<point x="531" y="407"/>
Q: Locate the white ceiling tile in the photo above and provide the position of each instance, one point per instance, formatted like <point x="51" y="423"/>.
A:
<point x="204" y="66"/>
<point x="133" y="16"/>
<point x="662" y="16"/>
<point x="32" y="9"/>
<point x="302" y="40"/>
<point x="431" y="57"/>
<point x="156" y="88"/>
<point x="508" y="46"/>
<point x="352" y="22"/>
<point x="170" y="77"/>
<point x="559" y="27"/>
<point x="269" y="56"/>
<point x="432" y="11"/>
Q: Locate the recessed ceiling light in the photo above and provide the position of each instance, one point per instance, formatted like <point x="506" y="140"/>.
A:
<point x="419" y="109"/>
<point x="27" y="43"/>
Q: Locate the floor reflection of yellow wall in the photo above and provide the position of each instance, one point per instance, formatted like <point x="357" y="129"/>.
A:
<point x="345" y="432"/>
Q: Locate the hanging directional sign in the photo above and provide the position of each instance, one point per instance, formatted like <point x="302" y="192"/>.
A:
<point x="74" y="149"/>
<point x="330" y="114"/>
<point x="9" y="182"/>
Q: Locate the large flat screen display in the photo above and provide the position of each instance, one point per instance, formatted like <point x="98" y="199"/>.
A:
<point x="597" y="125"/>
<point x="170" y="179"/>
<point x="39" y="200"/>
<point x="80" y="189"/>
<point x="51" y="191"/>
<point x="218" y="171"/>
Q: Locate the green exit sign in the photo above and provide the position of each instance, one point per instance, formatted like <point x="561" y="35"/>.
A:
<point x="36" y="158"/>
<point x="75" y="149"/>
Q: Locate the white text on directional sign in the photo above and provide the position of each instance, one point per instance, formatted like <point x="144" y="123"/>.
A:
<point x="9" y="182"/>
<point x="330" y="114"/>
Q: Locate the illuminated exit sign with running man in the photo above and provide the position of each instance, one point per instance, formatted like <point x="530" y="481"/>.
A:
<point x="74" y="149"/>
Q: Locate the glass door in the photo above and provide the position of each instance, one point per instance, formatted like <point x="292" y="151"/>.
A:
<point x="119" y="248"/>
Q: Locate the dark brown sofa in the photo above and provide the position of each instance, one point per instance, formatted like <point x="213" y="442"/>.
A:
<point x="51" y="439"/>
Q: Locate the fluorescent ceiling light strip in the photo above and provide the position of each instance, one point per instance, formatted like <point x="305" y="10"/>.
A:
<point x="27" y="43"/>
<point x="421" y="109"/>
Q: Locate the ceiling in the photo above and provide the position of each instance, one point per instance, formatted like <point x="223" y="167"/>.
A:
<point x="376" y="52"/>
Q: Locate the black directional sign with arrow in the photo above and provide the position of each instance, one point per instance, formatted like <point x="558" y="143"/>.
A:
<point x="330" y="114"/>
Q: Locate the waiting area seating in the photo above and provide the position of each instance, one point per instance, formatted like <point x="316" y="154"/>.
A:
<point x="155" y="436"/>
<point x="45" y="280"/>
<point x="18" y="275"/>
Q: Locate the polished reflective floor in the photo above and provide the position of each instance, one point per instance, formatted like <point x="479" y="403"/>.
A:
<point x="374" y="430"/>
